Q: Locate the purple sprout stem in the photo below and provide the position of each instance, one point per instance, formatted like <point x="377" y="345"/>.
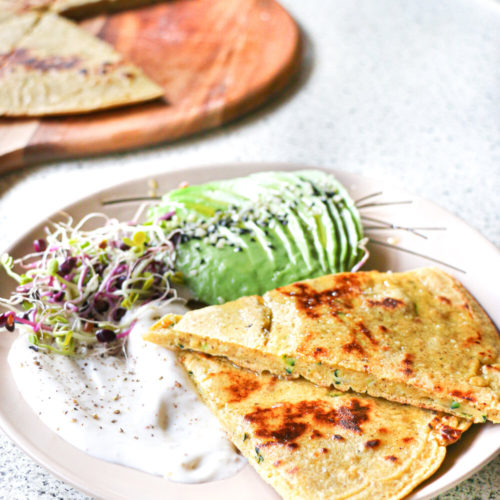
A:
<point x="127" y="331"/>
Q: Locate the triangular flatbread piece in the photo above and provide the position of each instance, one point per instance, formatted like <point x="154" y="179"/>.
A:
<point x="71" y="8"/>
<point x="309" y="442"/>
<point x="57" y="68"/>
<point x="416" y="337"/>
<point x="84" y="8"/>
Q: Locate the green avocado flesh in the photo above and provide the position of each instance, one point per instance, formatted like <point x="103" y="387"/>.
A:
<point x="249" y="235"/>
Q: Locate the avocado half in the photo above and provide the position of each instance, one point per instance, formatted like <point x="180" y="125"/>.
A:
<point x="251" y="234"/>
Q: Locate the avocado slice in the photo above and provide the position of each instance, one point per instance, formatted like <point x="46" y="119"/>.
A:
<point x="340" y="203"/>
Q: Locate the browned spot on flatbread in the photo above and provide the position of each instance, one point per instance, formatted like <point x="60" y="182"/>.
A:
<point x="467" y="396"/>
<point x="272" y="381"/>
<point x="386" y="303"/>
<point x="305" y="345"/>
<point x="407" y="440"/>
<point x="337" y="299"/>
<point x="372" y="444"/>
<point x="320" y="352"/>
<point x="353" y="346"/>
<point x="407" y="363"/>
<point x="391" y="458"/>
<point x="444" y="300"/>
<point x="240" y="386"/>
<point x="23" y="57"/>
<point x="315" y="434"/>
<point x="338" y="437"/>
<point x="475" y="339"/>
<point x="450" y="434"/>
<point x="367" y="333"/>
<point x="285" y="423"/>
<point x="467" y="307"/>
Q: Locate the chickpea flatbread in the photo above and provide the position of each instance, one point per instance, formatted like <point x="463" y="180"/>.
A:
<point x="72" y="8"/>
<point x="85" y="8"/>
<point x="416" y="337"/>
<point x="57" y="68"/>
<point x="22" y="6"/>
<point x="310" y="442"/>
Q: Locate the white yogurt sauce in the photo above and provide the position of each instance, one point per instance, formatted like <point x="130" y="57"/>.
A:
<point x="142" y="412"/>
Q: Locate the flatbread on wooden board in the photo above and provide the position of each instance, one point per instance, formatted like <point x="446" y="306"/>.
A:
<point x="309" y="442"/>
<point x="22" y="6"/>
<point x="416" y="337"/>
<point x="85" y="8"/>
<point x="72" y="8"/>
<point x="58" y="68"/>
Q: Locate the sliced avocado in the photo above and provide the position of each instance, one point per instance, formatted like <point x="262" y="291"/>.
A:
<point x="248" y="235"/>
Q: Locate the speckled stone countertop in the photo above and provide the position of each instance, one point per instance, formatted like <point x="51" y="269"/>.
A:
<point x="404" y="91"/>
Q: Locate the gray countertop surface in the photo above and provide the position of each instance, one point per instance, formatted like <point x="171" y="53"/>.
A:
<point x="404" y="91"/>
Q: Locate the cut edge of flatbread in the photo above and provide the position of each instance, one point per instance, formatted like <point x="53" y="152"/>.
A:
<point x="78" y="9"/>
<point x="257" y="333"/>
<point x="13" y="28"/>
<point x="58" y="68"/>
<point x="309" y="442"/>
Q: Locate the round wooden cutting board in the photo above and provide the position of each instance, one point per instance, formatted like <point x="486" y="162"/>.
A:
<point x="215" y="59"/>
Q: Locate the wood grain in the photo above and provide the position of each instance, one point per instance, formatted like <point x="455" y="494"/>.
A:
<point x="215" y="59"/>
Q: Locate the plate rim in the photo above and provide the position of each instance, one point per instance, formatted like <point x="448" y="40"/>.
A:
<point x="73" y="479"/>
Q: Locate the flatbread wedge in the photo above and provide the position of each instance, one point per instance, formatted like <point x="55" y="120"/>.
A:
<point x="310" y="442"/>
<point x="72" y="8"/>
<point x="57" y="68"/>
<point x="416" y="337"/>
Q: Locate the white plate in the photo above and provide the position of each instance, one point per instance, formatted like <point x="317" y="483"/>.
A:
<point x="475" y="261"/>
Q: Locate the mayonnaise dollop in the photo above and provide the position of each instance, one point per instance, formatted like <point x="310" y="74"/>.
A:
<point x="138" y="410"/>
